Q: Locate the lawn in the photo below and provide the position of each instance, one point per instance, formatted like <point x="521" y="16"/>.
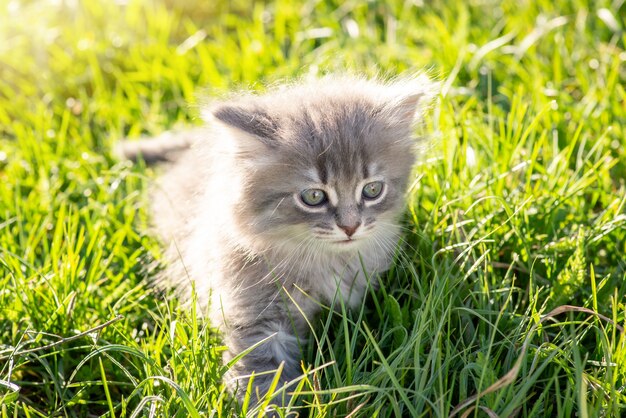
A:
<point x="508" y="295"/>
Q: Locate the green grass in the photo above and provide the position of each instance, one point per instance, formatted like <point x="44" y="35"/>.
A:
<point x="520" y="206"/>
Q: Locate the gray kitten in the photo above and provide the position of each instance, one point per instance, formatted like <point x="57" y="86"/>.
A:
<point x="284" y="201"/>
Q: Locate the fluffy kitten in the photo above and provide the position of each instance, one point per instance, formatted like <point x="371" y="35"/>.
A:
<point x="282" y="202"/>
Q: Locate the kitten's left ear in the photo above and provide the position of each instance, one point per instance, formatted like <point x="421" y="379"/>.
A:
<point x="410" y="97"/>
<point x="249" y="118"/>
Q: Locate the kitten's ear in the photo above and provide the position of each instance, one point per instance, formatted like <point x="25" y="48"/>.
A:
<point x="250" y="119"/>
<point x="410" y="97"/>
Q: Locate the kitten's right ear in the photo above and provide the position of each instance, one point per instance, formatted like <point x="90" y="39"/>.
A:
<point x="408" y="97"/>
<point x="250" y="119"/>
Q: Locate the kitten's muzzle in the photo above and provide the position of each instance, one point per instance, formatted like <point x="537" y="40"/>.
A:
<point x="351" y="229"/>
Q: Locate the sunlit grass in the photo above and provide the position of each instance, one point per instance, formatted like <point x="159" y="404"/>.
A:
<point x="519" y="206"/>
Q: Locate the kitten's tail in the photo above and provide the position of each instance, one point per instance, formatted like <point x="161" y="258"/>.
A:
<point x="163" y="148"/>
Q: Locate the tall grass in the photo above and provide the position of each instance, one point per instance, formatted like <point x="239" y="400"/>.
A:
<point x="518" y="207"/>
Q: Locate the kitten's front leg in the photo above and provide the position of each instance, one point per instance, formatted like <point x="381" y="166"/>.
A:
<point x="279" y="346"/>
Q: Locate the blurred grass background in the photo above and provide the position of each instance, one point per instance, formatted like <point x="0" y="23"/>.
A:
<point x="519" y="206"/>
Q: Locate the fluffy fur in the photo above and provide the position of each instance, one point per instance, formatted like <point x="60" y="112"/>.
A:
<point x="231" y="206"/>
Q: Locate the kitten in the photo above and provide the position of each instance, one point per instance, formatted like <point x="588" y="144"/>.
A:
<point x="284" y="201"/>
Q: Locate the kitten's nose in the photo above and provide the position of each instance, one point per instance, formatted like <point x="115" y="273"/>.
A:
<point x="350" y="230"/>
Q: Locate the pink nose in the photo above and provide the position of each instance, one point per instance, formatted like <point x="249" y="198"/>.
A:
<point x="349" y="230"/>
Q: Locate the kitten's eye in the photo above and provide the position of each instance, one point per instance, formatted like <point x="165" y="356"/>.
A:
<point x="313" y="197"/>
<point x="372" y="190"/>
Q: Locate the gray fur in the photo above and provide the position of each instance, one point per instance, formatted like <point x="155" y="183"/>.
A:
<point x="166" y="147"/>
<point x="261" y="261"/>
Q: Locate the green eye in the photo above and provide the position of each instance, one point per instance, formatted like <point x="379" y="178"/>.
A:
<point x="372" y="190"/>
<point x="313" y="197"/>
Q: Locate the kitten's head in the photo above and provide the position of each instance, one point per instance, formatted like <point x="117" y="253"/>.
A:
<point x="325" y="164"/>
